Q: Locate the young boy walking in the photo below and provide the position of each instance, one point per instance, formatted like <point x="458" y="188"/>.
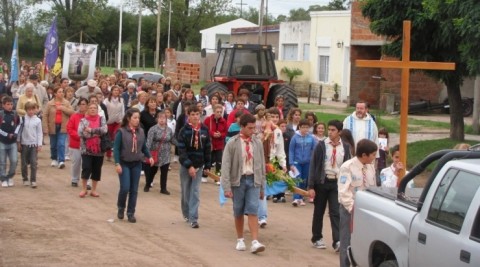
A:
<point x="194" y="148"/>
<point x="9" y="121"/>
<point x="30" y="143"/>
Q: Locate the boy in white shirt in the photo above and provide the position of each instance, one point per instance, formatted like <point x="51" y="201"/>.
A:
<point x="29" y="142"/>
<point x="389" y="175"/>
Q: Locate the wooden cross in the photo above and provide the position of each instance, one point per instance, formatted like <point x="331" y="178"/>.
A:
<point x="406" y="65"/>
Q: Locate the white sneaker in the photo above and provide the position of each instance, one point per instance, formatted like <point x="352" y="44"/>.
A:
<point x="295" y="203"/>
<point x="241" y="245"/>
<point x="67" y="158"/>
<point x="5" y="184"/>
<point x="257" y="247"/>
<point x="61" y="165"/>
<point x="217" y="183"/>
<point x="10" y="182"/>
<point x="54" y="163"/>
<point x="204" y="180"/>
<point x="319" y="244"/>
<point x="34" y="185"/>
<point x="142" y="173"/>
<point x="262" y="223"/>
<point x="26" y="183"/>
<point x="337" y="246"/>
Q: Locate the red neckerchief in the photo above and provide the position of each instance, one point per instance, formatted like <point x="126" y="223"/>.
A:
<point x="134" y="140"/>
<point x="334" y="153"/>
<point x="247" y="141"/>
<point x="196" y="133"/>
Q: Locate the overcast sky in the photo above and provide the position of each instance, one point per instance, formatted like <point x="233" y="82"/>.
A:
<point x="275" y="7"/>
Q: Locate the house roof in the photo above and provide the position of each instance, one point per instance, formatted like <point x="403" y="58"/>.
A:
<point x="254" y="29"/>
<point x="226" y="27"/>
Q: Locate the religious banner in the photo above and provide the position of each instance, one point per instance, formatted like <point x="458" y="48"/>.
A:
<point x="79" y="61"/>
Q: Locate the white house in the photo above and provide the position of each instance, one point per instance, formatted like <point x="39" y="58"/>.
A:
<point x="211" y="36"/>
<point x="295" y="41"/>
<point x="330" y="49"/>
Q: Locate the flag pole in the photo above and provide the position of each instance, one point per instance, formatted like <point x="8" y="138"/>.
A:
<point x="119" y="54"/>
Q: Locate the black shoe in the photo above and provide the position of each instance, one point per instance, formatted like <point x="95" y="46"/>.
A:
<point x="132" y="219"/>
<point x="121" y="214"/>
<point x="274" y="200"/>
<point x="165" y="192"/>
<point x="89" y="187"/>
<point x="146" y="188"/>
<point x="194" y="225"/>
<point x="74" y="184"/>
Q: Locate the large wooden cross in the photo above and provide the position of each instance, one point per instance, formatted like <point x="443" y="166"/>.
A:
<point x="406" y="65"/>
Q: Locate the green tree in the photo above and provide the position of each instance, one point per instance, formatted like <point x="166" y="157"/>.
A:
<point x="10" y="11"/>
<point x="292" y="73"/>
<point x="433" y="38"/>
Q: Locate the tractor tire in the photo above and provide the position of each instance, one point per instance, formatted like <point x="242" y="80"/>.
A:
<point x="215" y="87"/>
<point x="389" y="263"/>
<point x="289" y="94"/>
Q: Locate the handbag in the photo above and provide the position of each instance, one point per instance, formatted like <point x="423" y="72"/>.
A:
<point x="105" y="142"/>
<point x="154" y="153"/>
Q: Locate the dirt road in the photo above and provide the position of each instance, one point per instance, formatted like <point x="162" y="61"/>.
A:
<point x="52" y="226"/>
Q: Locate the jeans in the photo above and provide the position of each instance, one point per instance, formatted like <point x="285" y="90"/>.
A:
<point x="303" y="169"/>
<point x="345" y="218"/>
<point x="57" y="144"/>
<point x="10" y="151"/>
<point x="262" y="209"/>
<point x="327" y="192"/>
<point x="129" y="180"/>
<point x="190" y="193"/>
<point x="76" y="157"/>
<point x="29" y="156"/>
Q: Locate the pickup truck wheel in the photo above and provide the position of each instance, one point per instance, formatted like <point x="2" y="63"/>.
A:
<point x="390" y="263"/>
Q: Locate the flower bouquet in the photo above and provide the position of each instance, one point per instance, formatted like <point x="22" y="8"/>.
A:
<point x="277" y="180"/>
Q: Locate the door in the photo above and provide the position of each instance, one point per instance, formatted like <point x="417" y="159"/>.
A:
<point x="436" y="236"/>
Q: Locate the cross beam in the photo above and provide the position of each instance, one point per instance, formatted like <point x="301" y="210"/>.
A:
<point x="405" y="65"/>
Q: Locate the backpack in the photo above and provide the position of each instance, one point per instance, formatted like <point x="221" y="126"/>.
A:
<point x="15" y="116"/>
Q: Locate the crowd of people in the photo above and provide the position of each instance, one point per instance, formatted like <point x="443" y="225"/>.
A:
<point x="145" y="126"/>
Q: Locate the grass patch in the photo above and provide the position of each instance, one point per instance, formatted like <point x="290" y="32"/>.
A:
<point x="417" y="151"/>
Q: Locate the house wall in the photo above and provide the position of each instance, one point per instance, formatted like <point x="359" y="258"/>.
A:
<point x="295" y="33"/>
<point x="372" y="84"/>
<point x="249" y="35"/>
<point x="330" y="36"/>
<point x="211" y="35"/>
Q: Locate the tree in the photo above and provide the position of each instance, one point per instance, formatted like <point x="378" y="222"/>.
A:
<point x="292" y="73"/>
<point x="433" y="38"/>
<point x="10" y="11"/>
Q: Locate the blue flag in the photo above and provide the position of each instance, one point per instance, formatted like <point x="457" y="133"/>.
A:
<point x="14" y="60"/>
<point x="51" y="45"/>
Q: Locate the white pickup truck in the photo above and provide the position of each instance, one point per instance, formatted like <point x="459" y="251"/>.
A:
<point x="438" y="225"/>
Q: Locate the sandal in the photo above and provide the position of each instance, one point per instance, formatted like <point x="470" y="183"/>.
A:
<point x="82" y="194"/>
<point x="94" y="194"/>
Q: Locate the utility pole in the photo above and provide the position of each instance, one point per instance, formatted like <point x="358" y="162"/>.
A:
<point x="119" y="54"/>
<point x="260" y="21"/>
<point x="169" y="23"/>
<point x="241" y="4"/>
<point x="139" y="31"/>
<point x="157" y="47"/>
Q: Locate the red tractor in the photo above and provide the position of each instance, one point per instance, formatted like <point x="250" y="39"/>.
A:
<point x="253" y="67"/>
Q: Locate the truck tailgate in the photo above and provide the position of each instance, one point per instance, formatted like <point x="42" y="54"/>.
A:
<point x="377" y="217"/>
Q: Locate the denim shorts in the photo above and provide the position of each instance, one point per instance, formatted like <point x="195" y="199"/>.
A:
<point x="245" y="197"/>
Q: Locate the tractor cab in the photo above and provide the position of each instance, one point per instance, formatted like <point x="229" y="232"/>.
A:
<point x="252" y="67"/>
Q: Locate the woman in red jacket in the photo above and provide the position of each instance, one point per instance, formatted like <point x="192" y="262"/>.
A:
<point x="74" y="145"/>
<point x="217" y="128"/>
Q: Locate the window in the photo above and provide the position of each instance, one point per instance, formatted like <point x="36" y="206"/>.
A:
<point x="452" y="199"/>
<point x="475" y="235"/>
<point x="323" y="64"/>
<point x="306" y="52"/>
<point x="290" y="52"/>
